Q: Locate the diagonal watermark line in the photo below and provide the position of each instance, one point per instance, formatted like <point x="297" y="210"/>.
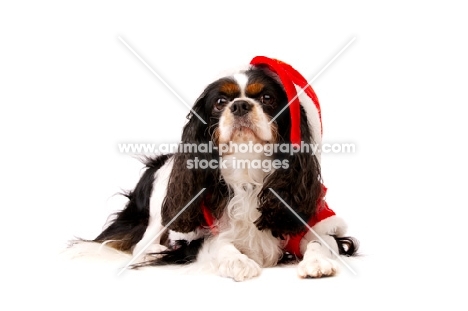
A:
<point x="161" y="79"/>
<point x="159" y="233"/>
<point x="313" y="79"/>
<point x="315" y="233"/>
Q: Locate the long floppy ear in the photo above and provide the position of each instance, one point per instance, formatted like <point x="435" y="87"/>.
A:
<point x="194" y="168"/>
<point x="299" y="186"/>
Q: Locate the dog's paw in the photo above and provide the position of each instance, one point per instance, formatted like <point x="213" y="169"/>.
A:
<point x="316" y="266"/>
<point x="239" y="267"/>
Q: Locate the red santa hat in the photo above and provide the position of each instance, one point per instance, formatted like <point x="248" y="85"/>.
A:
<point x="299" y="93"/>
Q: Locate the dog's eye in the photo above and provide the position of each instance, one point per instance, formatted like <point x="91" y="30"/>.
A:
<point x="220" y="103"/>
<point x="267" y="99"/>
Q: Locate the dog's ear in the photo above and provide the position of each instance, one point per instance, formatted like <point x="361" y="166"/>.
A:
<point x="299" y="186"/>
<point x="195" y="168"/>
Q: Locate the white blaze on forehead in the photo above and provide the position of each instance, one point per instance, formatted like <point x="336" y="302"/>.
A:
<point x="241" y="79"/>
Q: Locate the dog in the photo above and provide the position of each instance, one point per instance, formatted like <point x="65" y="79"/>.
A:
<point x="231" y="204"/>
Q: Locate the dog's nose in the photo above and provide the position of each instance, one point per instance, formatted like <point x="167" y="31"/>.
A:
<point x="240" y="107"/>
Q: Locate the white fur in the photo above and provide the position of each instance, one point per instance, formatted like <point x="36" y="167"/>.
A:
<point x="313" y="118"/>
<point x="241" y="79"/>
<point x="240" y="249"/>
<point x="150" y="243"/>
<point x="189" y="237"/>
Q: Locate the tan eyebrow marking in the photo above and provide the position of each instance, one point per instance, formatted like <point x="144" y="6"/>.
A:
<point x="254" y="89"/>
<point x="230" y="89"/>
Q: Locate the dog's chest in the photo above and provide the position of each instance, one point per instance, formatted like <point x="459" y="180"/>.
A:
<point x="238" y="225"/>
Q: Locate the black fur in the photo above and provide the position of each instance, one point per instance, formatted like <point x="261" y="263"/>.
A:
<point x="347" y="246"/>
<point x="185" y="183"/>
<point x="183" y="252"/>
<point x="299" y="186"/>
<point x="130" y="224"/>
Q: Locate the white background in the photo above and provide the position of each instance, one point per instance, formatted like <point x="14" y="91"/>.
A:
<point x="70" y="91"/>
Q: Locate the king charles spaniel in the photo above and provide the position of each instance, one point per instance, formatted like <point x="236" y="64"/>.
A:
<point x="251" y="199"/>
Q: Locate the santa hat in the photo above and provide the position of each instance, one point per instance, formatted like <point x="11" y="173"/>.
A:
<point x="299" y="93"/>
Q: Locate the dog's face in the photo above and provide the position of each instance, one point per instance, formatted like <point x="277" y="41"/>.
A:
<point x="242" y="106"/>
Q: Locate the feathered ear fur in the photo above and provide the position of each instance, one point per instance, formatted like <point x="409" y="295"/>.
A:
<point x="299" y="186"/>
<point x="187" y="180"/>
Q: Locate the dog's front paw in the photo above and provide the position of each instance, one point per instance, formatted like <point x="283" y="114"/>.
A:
<point x="239" y="267"/>
<point x="316" y="266"/>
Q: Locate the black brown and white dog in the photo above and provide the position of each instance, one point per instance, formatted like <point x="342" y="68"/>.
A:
<point x="238" y="218"/>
